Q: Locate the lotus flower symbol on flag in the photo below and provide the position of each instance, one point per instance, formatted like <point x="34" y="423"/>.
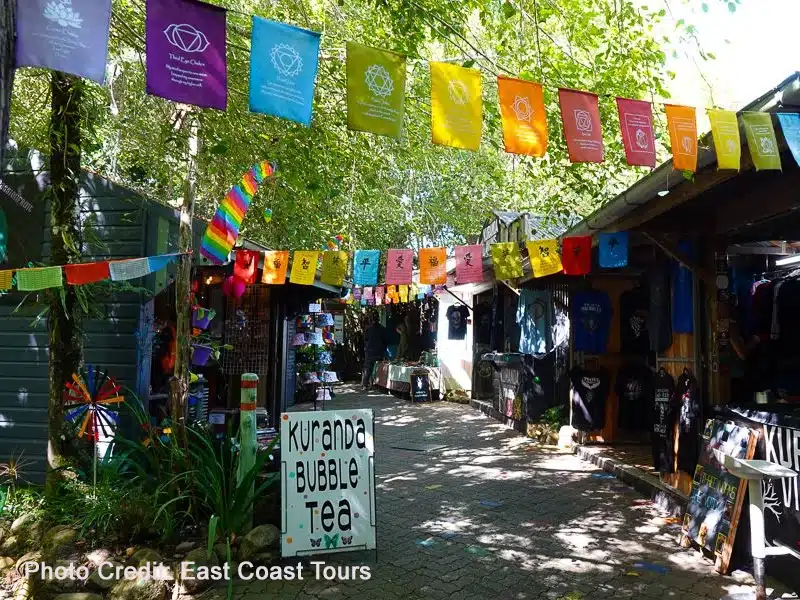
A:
<point x="583" y="121"/>
<point x="378" y="81"/>
<point x="186" y="37"/>
<point x="286" y="60"/>
<point x="61" y="12"/>
<point x="458" y="91"/>
<point x="767" y="147"/>
<point x="641" y="139"/>
<point x="522" y="108"/>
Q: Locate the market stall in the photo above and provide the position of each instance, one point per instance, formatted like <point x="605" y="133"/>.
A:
<point x="397" y="377"/>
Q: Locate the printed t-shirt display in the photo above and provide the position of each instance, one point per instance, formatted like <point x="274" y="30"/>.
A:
<point x="663" y="420"/>
<point x="687" y="398"/>
<point x="535" y="320"/>
<point x="633" y="316"/>
<point x="635" y="393"/>
<point x="591" y="318"/>
<point x="589" y="393"/>
<point x="457" y="316"/>
<point x="659" y="323"/>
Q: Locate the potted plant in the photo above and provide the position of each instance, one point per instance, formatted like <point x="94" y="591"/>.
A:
<point x="205" y="347"/>
<point x="201" y="317"/>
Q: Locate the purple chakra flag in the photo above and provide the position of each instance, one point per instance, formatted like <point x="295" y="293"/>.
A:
<point x="64" y="35"/>
<point x="186" y="59"/>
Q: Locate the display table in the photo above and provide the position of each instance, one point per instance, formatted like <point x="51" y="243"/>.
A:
<point x="396" y="377"/>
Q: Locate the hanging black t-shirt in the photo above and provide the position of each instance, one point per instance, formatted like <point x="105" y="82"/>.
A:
<point x="687" y="398"/>
<point x="457" y="316"/>
<point x="482" y="323"/>
<point x="659" y="318"/>
<point x="663" y="420"/>
<point x="635" y="393"/>
<point x="633" y="315"/>
<point x="589" y="393"/>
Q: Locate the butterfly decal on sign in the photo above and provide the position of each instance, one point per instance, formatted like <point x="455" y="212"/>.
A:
<point x="315" y="542"/>
<point x="331" y="541"/>
<point x="347" y="540"/>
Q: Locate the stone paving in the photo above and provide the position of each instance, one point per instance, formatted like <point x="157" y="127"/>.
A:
<point x="493" y="516"/>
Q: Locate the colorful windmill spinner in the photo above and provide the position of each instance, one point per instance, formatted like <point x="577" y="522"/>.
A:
<point x="90" y="397"/>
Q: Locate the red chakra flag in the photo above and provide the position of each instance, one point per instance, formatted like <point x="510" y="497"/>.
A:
<point x="576" y="255"/>
<point x="636" y="122"/>
<point x="469" y="264"/>
<point x="580" y="115"/>
<point x="399" y="266"/>
<point x="246" y="265"/>
<point x="87" y="273"/>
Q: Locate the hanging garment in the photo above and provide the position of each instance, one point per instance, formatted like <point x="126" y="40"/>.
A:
<point x="589" y="394"/>
<point x="663" y="420"/>
<point x="635" y="392"/>
<point x="535" y="320"/>
<point x="633" y="318"/>
<point x="591" y="317"/>
<point x="659" y="325"/>
<point x="687" y="397"/>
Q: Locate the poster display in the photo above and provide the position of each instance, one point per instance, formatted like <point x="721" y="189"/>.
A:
<point x="328" y="479"/>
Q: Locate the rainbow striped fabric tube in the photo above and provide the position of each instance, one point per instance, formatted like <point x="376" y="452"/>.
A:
<point x="223" y="230"/>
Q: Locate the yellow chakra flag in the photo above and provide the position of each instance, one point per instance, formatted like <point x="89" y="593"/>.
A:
<point x="727" y="144"/>
<point x="433" y="266"/>
<point x="276" y="263"/>
<point x="507" y="260"/>
<point x="545" y="259"/>
<point x="456" y="106"/>
<point x="523" y="115"/>
<point x="304" y="267"/>
<point x="403" y="292"/>
<point x="761" y="140"/>
<point x="334" y="267"/>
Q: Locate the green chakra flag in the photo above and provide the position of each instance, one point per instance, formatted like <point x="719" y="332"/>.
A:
<point x="376" y="88"/>
<point x="761" y="139"/>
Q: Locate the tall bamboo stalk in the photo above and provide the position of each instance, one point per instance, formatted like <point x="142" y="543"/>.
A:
<point x="8" y="24"/>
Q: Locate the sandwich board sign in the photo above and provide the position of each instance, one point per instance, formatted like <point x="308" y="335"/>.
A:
<point x="328" y="482"/>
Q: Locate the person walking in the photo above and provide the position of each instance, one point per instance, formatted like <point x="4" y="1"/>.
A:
<point x="374" y="349"/>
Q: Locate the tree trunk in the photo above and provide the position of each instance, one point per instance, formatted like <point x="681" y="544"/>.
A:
<point x="179" y="386"/>
<point x="8" y="32"/>
<point x="65" y="317"/>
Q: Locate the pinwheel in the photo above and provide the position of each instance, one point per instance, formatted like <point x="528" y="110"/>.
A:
<point x="91" y="398"/>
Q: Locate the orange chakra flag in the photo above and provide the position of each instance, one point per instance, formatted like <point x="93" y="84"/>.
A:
<point x="523" y="115"/>
<point x="682" y="125"/>
<point x="276" y="263"/>
<point x="433" y="266"/>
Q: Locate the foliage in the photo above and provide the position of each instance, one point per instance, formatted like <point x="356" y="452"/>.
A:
<point x="555" y="416"/>
<point x="11" y="475"/>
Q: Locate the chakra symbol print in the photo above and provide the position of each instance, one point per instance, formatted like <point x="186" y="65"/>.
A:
<point x="286" y="60"/>
<point x="378" y="81"/>
<point x="62" y="13"/>
<point x="186" y="37"/>
<point x="522" y="108"/>
<point x="458" y="91"/>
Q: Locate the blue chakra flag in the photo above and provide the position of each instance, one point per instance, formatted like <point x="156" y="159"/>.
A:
<point x="365" y="267"/>
<point x="790" y="124"/>
<point x="613" y="249"/>
<point x="283" y="67"/>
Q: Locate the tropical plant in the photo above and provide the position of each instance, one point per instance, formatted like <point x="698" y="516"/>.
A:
<point x="11" y="475"/>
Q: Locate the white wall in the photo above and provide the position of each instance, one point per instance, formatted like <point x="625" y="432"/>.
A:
<point x="455" y="356"/>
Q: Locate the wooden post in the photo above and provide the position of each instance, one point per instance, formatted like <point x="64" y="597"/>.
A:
<point x="247" y="434"/>
<point x="8" y="35"/>
<point x="179" y="385"/>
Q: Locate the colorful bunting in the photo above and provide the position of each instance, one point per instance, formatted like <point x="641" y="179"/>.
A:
<point x="123" y="270"/>
<point x="223" y="230"/>
<point x="544" y="257"/>
<point x="507" y="260"/>
<point x="682" y="125"/>
<point x="31" y="280"/>
<point x="304" y="267"/>
<point x="64" y="35"/>
<point x="469" y="264"/>
<point x="157" y="263"/>
<point x="613" y="250"/>
<point x="433" y="266"/>
<point x="379" y="294"/>
<point x="576" y="255"/>
<point x="399" y="266"/>
<point x="727" y="143"/>
<point x="376" y="90"/>
<point x="368" y="295"/>
<point x="403" y="293"/>
<point x="334" y="267"/>
<point x="6" y="278"/>
<point x="84" y="273"/>
<point x="580" y="116"/>
<point x="761" y="140"/>
<point x="365" y="267"/>
<point x="283" y="69"/>
<point x="276" y="265"/>
<point x="456" y="106"/>
<point x="245" y="266"/>
<point x="790" y="124"/>
<point x="186" y="52"/>
<point x="636" y="121"/>
<point x="523" y="115"/>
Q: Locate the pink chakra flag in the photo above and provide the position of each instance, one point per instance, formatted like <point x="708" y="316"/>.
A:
<point x="186" y="60"/>
<point x="469" y="264"/>
<point x="399" y="266"/>
<point x="636" y="122"/>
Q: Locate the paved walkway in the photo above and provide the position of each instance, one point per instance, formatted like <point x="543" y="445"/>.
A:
<point x="491" y="516"/>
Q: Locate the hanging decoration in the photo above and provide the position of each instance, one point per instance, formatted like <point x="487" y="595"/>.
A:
<point x="376" y="86"/>
<point x="64" y="35"/>
<point x="365" y="267"/>
<point x="304" y="267"/>
<point x="612" y="250"/>
<point x="727" y="143"/>
<point x="223" y="231"/>
<point x="682" y="125"/>
<point x="267" y="214"/>
<point x="507" y="260"/>
<point x="576" y="255"/>
<point x="523" y="116"/>
<point x="245" y="266"/>
<point x="402" y="291"/>
<point x="283" y="69"/>
<point x="91" y="397"/>
<point x="31" y="280"/>
<point x="456" y="106"/>
<point x="790" y="125"/>
<point x="334" y="267"/>
<point x="761" y="140"/>
<point x="123" y="270"/>
<point x="276" y="265"/>
<point x="233" y="287"/>
<point x="636" y="121"/>
<point x="433" y="266"/>
<point x="580" y="115"/>
<point x="544" y="256"/>
<point x="186" y="52"/>
<point x="469" y="264"/>
<point x="399" y="266"/>
<point x="379" y="294"/>
<point x="84" y="273"/>
<point x="6" y="279"/>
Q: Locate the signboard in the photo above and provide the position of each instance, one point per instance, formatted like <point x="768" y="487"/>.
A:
<point x="782" y="496"/>
<point x="290" y="372"/>
<point x="328" y="480"/>
<point x="420" y="386"/>
<point x="338" y="328"/>
<point x="715" y="503"/>
<point x="314" y="308"/>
